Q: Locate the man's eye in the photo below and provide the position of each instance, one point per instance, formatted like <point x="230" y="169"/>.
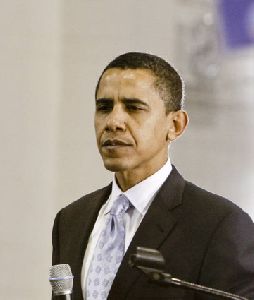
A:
<point x="103" y="107"/>
<point x="132" y="107"/>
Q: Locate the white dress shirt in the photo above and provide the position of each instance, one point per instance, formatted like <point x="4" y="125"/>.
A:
<point x="141" y="196"/>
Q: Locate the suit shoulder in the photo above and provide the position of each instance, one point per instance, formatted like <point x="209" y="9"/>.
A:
<point x="209" y="204"/>
<point x="86" y="199"/>
<point x="197" y="199"/>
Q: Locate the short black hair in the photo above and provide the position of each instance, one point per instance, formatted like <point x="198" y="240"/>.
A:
<point x="167" y="80"/>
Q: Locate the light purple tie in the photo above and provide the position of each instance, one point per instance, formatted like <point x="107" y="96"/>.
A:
<point x="108" y="252"/>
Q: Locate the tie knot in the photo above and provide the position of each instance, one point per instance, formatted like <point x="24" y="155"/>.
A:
<point x="120" y="205"/>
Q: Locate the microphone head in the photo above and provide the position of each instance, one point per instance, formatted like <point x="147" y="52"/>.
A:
<point x="148" y="258"/>
<point x="61" y="279"/>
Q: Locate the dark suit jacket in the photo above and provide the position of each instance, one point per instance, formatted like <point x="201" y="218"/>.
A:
<point x="204" y="238"/>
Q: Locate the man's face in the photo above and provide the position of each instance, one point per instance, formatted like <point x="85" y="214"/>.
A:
<point x="131" y="123"/>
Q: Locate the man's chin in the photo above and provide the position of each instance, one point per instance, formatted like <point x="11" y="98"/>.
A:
<point x="115" y="166"/>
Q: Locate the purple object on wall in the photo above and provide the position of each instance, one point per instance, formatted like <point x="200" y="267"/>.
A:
<point x="237" y="19"/>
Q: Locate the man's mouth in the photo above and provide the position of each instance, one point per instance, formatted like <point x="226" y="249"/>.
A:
<point x="116" y="143"/>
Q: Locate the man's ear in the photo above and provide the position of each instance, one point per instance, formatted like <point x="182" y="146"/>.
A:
<point x="178" y="121"/>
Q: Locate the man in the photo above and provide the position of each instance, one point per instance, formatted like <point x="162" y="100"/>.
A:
<point x="204" y="238"/>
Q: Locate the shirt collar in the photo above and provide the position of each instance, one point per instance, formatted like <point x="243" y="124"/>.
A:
<point x="142" y="193"/>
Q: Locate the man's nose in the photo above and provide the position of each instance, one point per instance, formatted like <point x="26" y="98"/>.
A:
<point x="116" y="119"/>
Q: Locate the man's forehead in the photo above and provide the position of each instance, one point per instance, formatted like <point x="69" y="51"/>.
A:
<point x="133" y="77"/>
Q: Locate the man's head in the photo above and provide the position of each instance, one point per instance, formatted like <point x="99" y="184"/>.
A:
<point x="138" y="113"/>
<point x="166" y="79"/>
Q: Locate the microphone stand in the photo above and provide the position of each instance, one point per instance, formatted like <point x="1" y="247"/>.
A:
<point x="150" y="262"/>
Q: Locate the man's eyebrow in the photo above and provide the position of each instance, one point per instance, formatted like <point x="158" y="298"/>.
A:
<point x="134" y="101"/>
<point x="103" y="100"/>
<point x="124" y="100"/>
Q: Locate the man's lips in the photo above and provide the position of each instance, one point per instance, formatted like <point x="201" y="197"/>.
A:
<point x="116" y="143"/>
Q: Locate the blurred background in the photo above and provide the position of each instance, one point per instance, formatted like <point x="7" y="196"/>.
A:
<point x="52" y="53"/>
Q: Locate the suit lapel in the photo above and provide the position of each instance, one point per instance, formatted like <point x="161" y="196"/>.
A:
<point x="92" y="207"/>
<point x="154" y="229"/>
<point x="79" y="229"/>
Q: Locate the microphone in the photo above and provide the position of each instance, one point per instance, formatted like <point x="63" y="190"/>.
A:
<point x="61" y="280"/>
<point x="152" y="263"/>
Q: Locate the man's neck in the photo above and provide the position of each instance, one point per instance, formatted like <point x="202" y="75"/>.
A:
<point x="128" y="178"/>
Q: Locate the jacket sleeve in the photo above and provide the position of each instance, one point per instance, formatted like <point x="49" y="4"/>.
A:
<point x="55" y="240"/>
<point x="229" y="261"/>
<point x="56" y="248"/>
